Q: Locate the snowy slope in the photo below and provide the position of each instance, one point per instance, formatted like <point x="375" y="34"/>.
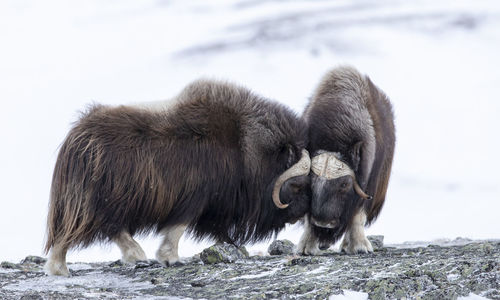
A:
<point x="437" y="60"/>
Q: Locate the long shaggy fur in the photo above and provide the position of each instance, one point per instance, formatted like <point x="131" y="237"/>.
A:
<point x="346" y="110"/>
<point x="209" y="161"/>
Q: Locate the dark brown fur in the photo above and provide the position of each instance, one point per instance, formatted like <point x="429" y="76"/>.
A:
<point x="210" y="162"/>
<point x="346" y="128"/>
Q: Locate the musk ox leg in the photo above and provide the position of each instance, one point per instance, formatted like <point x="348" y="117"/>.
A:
<point x="56" y="264"/>
<point x="131" y="251"/>
<point x="355" y="240"/>
<point x="309" y="244"/>
<point x="168" y="254"/>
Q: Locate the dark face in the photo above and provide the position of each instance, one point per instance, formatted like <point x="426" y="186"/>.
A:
<point x="296" y="192"/>
<point x="333" y="201"/>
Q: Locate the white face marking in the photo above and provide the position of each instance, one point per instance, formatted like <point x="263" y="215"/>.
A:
<point x="318" y="184"/>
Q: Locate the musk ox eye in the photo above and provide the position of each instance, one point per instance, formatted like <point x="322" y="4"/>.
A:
<point x="345" y="186"/>
<point x="296" y="188"/>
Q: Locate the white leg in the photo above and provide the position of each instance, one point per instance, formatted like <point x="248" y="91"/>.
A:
<point x="131" y="250"/>
<point x="168" y="254"/>
<point x="355" y="240"/>
<point x="56" y="264"/>
<point x="309" y="244"/>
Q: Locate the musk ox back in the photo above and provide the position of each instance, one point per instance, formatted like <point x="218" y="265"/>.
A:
<point x="220" y="162"/>
<point x="351" y="141"/>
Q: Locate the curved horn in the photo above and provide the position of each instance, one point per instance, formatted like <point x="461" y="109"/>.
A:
<point x="302" y="167"/>
<point x="359" y="191"/>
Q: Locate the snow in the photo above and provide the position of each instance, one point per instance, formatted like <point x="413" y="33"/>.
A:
<point x="472" y="296"/>
<point x="259" y="275"/>
<point x="437" y="60"/>
<point x="438" y="242"/>
<point x="350" y="295"/>
<point x="452" y="277"/>
<point x="318" y="270"/>
<point x="95" y="280"/>
<point x="79" y="267"/>
<point x="2" y="270"/>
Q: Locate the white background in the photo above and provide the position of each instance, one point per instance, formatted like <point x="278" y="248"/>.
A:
<point x="438" y="61"/>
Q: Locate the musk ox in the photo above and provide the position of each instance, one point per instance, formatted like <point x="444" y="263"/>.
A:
<point x="220" y="162"/>
<point x="351" y="141"/>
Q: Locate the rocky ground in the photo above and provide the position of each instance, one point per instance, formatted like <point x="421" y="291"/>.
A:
<point x="222" y="271"/>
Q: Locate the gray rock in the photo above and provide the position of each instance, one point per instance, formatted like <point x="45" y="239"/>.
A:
<point x="281" y="247"/>
<point x="377" y="241"/>
<point x="146" y="263"/>
<point x="8" y="265"/>
<point x="32" y="296"/>
<point x="303" y="261"/>
<point x="158" y="280"/>
<point x="116" y="263"/>
<point x="34" y="260"/>
<point x="442" y="272"/>
<point x="222" y="253"/>
<point x="487" y="248"/>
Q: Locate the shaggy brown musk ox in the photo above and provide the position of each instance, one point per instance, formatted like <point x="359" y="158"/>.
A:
<point x="351" y="141"/>
<point x="218" y="162"/>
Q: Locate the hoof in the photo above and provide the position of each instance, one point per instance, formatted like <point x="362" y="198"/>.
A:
<point x="134" y="256"/>
<point x="56" y="269"/>
<point x="308" y="248"/>
<point x="175" y="264"/>
<point x="356" y="246"/>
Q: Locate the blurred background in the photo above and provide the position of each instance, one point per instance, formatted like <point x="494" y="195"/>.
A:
<point x="438" y="61"/>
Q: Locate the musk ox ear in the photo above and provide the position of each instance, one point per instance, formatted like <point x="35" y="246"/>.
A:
<point x="362" y="156"/>
<point x="356" y="155"/>
<point x="287" y="152"/>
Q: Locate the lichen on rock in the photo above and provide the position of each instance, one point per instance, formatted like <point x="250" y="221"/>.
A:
<point x="281" y="247"/>
<point x="434" y="272"/>
<point x="377" y="241"/>
<point x="222" y="253"/>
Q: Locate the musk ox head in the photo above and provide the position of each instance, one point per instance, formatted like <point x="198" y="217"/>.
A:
<point x="291" y="191"/>
<point x="336" y="192"/>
